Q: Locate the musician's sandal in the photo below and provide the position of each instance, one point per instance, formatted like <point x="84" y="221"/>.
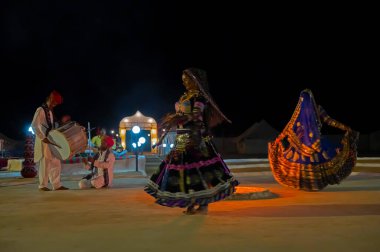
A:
<point x="62" y="188"/>
<point x="44" y="189"/>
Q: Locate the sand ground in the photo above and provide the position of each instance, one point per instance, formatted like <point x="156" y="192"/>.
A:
<point x="343" y="217"/>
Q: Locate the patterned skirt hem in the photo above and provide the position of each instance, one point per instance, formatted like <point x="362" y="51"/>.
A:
<point x="181" y="199"/>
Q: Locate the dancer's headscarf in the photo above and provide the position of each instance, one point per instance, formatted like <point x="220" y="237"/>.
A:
<point x="304" y="128"/>
<point x="199" y="76"/>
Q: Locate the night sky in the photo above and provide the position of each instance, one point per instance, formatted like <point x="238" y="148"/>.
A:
<point x="111" y="58"/>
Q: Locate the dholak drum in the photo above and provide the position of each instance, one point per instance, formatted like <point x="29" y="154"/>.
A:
<point x="70" y="137"/>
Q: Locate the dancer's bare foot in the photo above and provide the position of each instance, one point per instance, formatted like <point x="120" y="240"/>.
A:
<point x="202" y="210"/>
<point x="190" y="210"/>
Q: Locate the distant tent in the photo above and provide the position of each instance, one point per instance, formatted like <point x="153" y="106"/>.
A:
<point x="255" y="139"/>
<point x="10" y="147"/>
<point x="374" y="142"/>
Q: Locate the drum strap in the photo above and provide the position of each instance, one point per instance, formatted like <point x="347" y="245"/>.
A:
<point x="48" y="119"/>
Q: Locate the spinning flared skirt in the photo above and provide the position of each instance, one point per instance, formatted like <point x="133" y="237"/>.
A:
<point x="313" y="173"/>
<point x="183" y="179"/>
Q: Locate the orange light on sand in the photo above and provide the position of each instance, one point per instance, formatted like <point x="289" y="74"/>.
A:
<point x="249" y="189"/>
<point x="251" y="192"/>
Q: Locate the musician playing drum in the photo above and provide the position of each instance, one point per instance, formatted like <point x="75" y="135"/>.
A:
<point x="49" y="166"/>
<point x="101" y="167"/>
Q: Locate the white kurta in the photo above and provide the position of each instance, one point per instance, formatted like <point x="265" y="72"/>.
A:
<point x="49" y="167"/>
<point x="98" y="181"/>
